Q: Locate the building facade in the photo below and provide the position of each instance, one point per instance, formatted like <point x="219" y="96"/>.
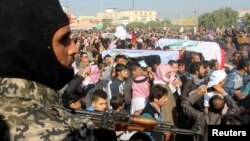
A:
<point x="243" y="12"/>
<point x="127" y="16"/>
<point x="116" y="17"/>
<point x="87" y="22"/>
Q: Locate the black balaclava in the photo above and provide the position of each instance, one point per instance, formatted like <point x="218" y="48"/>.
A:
<point x="26" y="31"/>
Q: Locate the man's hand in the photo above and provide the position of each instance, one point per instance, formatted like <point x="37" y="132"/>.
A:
<point x="202" y="90"/>
<point x="167" y="136"/>
<point x="183" y="50"/>
<point x="175" y="83"/>
<point x="219" y="90"/>
<point x="101" y="49"/>
<point x="85" y="72"/>
<point x="239" y="95"/>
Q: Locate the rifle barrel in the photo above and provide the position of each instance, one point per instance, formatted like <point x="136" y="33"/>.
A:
<point x="177" y="131"/>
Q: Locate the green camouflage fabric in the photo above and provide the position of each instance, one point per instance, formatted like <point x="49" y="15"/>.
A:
<point x="30" y="109"/>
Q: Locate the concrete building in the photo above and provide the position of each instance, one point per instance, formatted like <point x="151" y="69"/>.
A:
<point x="243" y="12"/>
<point x="127" y="16"/>
<point x="81" y="22"/>
<point x="116" y="17"/>
<point x="86" y="22"/>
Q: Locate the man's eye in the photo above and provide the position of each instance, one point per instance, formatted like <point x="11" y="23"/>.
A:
<point x="64" y="40"/>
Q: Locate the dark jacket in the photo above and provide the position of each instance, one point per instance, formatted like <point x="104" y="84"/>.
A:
<point x="202" y="119"/>
<point x="71" y="91"/>
<point x="128" y="92"/>
<point x="151" y="112"/>
<point x="116" y="87"/>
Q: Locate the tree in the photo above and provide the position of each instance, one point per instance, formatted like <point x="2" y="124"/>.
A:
<point x="166" y="22"/>
<point x="151" y="24"/>
<point x="158" y="24"/>
<point x="106" y="23"/>
<point x="136" y="25"/>
<point x="206" y="19"/>
<point x="246" y="19"/>
<point x="231" y="16"/>
<point x="219" y="18"/>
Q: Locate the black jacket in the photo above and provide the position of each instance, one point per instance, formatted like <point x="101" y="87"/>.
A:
<point x="149" y="109"/>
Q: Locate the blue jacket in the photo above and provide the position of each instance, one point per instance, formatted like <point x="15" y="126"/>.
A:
<point x="234" y="82"/>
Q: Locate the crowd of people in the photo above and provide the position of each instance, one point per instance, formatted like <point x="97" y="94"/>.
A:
<point x="131" y="79"/>
<point x="46" y="68"/>
<point x="128" y="78"/>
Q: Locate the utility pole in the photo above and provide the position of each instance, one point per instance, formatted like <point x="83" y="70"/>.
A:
<point x="101" y="5"/>
<point x="196" y="21"/>
<point x="133" y="4"/>
<point x="195" y="17"/>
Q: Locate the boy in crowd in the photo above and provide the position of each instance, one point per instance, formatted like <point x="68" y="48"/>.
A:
<point x="117" y="103"/>
<point x="157" y="98"/>
<point x="116" y="86"/>
<point x="98" y="101"/>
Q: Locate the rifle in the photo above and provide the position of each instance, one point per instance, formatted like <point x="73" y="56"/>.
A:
<point x="117" y="121"/>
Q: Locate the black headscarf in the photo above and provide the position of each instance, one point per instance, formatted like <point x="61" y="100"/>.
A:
<point x="26" y="31"/>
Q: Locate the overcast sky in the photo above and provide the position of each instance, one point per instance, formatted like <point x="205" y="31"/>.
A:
<point x="169" y="9"/>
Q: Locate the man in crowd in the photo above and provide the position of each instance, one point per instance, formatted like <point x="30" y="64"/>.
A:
<point x="216" y="105"/>
<point x="157" y="98"/>
<point x="36" y="53"/>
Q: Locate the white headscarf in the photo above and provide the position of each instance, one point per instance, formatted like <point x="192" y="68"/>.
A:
<point x="216" y="77"/>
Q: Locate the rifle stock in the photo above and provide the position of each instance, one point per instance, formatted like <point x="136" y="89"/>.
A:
<point x="132" y="127"/>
